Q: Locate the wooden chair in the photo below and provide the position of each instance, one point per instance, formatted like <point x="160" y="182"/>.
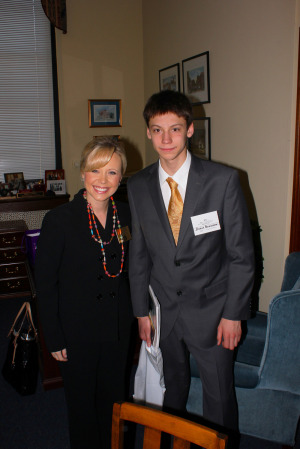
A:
<point x="155" y="422"/>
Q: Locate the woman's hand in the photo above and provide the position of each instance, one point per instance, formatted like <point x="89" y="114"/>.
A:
<point x="60" y="356"/>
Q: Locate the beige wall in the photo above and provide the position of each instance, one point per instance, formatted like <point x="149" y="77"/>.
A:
<point x="115" y="49"/>
<point x="100" y="57"/>
<point x="253" y="51"/>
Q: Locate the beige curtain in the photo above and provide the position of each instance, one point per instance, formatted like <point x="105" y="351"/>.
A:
<point x="56" y="12"/>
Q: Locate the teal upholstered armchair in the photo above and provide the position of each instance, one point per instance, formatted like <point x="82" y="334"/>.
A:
<point x="267" y="367"/>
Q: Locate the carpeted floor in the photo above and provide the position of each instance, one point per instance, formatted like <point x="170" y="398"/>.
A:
<point x="39" y="421"/>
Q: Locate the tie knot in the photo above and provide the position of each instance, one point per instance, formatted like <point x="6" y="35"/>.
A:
<point x="173" y="184"/>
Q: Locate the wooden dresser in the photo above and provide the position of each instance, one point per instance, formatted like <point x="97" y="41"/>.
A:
<point x="16" y="275"/>
<point x="14" y="279"/>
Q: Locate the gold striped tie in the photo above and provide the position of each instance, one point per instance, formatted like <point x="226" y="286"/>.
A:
<point x="175" y="208"/>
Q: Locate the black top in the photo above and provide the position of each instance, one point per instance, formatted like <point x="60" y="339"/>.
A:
<point x="77" y="302"/>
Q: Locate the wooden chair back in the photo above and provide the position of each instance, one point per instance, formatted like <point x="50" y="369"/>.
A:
<point x="155" y="422"/>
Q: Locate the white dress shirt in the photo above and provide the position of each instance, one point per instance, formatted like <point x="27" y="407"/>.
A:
<point x="181" y="177"/>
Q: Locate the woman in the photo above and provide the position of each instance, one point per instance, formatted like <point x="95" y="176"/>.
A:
<point x="83" y="294"/>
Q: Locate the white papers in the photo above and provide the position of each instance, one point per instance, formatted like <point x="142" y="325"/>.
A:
<point x="149" y="381"/>
<point x="154" y="315"/>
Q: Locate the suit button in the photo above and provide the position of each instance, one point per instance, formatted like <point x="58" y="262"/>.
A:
<point x="112" y="294"/>
<point x="177" y="263"/>
<point x="179" y="292"/>
<point x="100" y="277"/>
<point x="100" y="296"/>
<point x="113" y="255"/>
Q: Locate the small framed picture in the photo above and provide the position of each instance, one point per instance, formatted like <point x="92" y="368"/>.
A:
<point x="105" y="113"/>
<point x="196" y="85"/>
<point x="52" y="175"/>
<point x="169" y="78"/>
<point x="57" y="186"/>
<point x="114" y="137"/>
<point x="199" y="143"/>
<point x="13" y="177"/>
<point x="35" y="185"/>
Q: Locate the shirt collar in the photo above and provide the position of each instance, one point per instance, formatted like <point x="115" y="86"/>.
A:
<point x="180" y="176"/>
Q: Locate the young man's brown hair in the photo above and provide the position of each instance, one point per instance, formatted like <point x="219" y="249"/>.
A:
<point x="168" y="101"/>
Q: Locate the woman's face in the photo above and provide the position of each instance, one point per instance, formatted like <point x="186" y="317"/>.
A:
<point x="102" y="183"/>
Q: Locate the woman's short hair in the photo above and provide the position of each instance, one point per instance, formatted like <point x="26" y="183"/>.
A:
<point x="99" y="151"/>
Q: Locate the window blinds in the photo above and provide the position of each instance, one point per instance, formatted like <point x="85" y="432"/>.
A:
<point x="27" y="140"/>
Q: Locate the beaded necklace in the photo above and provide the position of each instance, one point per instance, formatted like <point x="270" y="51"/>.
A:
<point x="92" y="223"/>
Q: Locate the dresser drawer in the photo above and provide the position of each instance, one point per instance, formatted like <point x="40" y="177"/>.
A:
<point x="14" y="285"/>
<point x="12" y="255"/>
<point x="11" y="239"/>
<point x="13" y="270"/>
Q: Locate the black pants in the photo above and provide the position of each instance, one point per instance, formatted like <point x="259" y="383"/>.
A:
<point x="216" y="372"/>
<point x="94" y="378"/>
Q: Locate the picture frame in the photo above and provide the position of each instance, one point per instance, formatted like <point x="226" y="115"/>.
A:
<point x="115" y="137"/>
<point x="35" y="184"/>
<point x="58" y="186"/>
<point x="200" y="142"/>
<point x="103" y="113"/>
<point x="195" y="75"/>
<point x="169" y="78"/>
<point x="54" y="175"/>
<point x="13" y="177"/>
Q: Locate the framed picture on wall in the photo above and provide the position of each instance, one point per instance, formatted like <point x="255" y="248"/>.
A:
<point x="196" y="85"/>
<point x="169" y="78"/>
<point x="200" y="143"/>
<point x="105" y="113"/>
<point x="115" y="137"/>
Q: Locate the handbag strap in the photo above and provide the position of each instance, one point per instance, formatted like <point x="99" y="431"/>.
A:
<point x="28" y="314"/>
<point x="17" y="317"/>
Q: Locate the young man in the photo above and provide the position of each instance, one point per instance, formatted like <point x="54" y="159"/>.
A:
<point x="202" y="276"/>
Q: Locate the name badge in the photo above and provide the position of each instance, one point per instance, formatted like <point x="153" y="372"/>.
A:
<point x="204" y="223"/>
<point x="123" y="234"/>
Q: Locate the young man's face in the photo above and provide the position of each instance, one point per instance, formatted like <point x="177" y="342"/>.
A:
<point x="169" y="135"/>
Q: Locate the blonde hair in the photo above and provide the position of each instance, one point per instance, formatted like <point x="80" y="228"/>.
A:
<point x="99" y="151"/>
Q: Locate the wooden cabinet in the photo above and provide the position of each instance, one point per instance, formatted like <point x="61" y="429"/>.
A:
<point x="16" y="276"/>
<point x="26" y="204"/>
<point x="14" y="280"/>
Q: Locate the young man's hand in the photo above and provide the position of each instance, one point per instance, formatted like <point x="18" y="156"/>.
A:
<point x="145" y="329"/>
<point x="229" y="333"/>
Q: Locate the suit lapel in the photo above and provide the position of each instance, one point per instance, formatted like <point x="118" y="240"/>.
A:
<point x="158" y="202"/>
<point x="193" y="195"/>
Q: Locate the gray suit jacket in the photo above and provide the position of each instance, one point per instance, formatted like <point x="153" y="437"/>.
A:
<point x="205" y="277"/>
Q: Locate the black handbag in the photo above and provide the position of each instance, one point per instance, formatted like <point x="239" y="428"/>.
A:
<point x="21" y="365"/>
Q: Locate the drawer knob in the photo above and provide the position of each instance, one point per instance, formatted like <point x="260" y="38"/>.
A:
<point x="11" y="271"/>
<point x="13" y="285"/>
<point x="8" y="242"/>
<point x="13" y="256"/>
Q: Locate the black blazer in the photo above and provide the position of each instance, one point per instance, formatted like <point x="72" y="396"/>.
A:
<point x="77" y="302"/>
<point x="205" y="277"/>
